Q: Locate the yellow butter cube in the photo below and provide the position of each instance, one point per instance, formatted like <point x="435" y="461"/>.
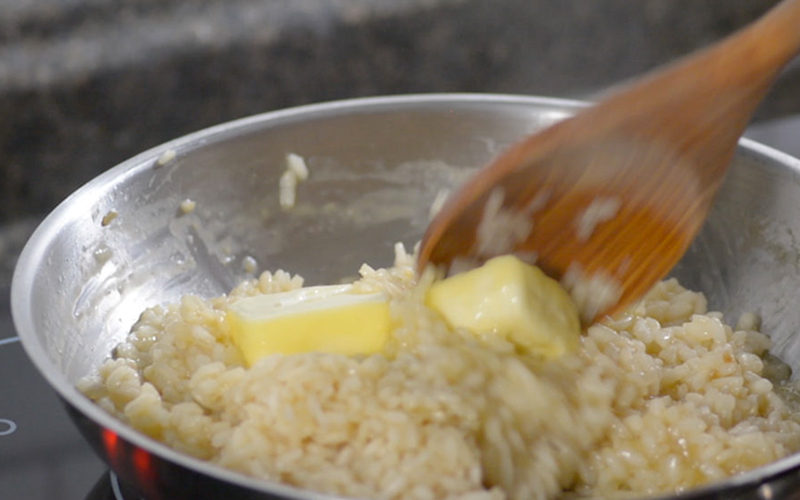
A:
<point x="331" y="319"/>
<point x="508" y="297"/>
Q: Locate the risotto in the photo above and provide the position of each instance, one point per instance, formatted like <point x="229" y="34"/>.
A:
<point x="662" y="398"/>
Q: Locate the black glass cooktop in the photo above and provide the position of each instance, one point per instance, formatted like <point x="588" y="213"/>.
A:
<point x="42" y="455"/>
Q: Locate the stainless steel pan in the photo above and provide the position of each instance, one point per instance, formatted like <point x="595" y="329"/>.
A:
<point x="121" y="244"/>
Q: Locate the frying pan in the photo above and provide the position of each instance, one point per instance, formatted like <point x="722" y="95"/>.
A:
<point x="121" y="244"/>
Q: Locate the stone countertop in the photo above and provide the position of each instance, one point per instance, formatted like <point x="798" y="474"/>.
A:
<point x="85" y="84"/>
<point x="13" y="236"/>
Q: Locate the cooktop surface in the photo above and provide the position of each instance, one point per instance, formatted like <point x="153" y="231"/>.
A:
<point x="42" y="455"/>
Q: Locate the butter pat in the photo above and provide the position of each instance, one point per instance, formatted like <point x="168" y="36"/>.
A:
<point x="508" y="297"/>
<point x="331" y="319"/>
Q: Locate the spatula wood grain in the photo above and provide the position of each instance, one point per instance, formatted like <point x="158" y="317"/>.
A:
<point x="656" y="149"/>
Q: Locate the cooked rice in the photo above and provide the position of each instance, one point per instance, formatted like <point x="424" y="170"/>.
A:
<point x="502" y="229"/>
<point x="296" y="172"/>
<point x="166" y="158"/>
<point x="187" y="206"/>
<point x="663" y="398"/>
<point x="592" y="292"/>
<point x="599" y="210"/>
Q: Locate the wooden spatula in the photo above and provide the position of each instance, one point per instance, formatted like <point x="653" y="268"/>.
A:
<point x="622" y="188"/>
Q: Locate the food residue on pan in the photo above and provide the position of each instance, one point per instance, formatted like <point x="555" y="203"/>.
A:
<point x="109" y="217"/>
<point x="165" y="158"/>
<point x="296" y="172"/>
<point x="187" y="206"/>
<point x="249" y="264"/>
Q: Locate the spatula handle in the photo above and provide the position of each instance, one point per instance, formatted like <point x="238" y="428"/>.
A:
<point x="769" y="43"/>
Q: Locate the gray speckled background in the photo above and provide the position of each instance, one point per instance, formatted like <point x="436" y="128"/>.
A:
<point x="85" y="84"/>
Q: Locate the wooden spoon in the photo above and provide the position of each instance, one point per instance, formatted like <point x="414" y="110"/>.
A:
<point x="653" y="153"/>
